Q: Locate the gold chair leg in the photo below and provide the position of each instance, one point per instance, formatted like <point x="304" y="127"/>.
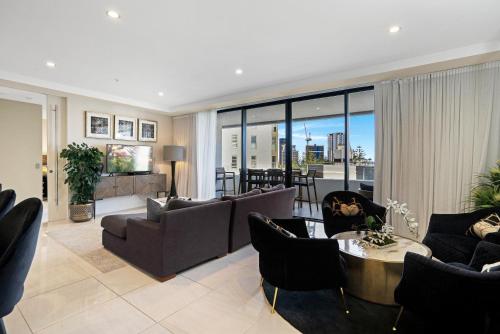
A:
<point x="395" y="327"/>
<point x="274" y="299"/>
<point x="343" y="300"/>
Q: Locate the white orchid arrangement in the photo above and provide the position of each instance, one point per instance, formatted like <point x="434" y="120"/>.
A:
<point x="383" y="237"/>
<point x="402" y="209"/>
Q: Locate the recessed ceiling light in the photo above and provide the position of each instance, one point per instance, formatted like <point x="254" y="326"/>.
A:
<point x="113" y="14"/>
<point x="238" y="71"/>
<point x="50" y="64"/>
<point x="161" y="93"/>
<point x="394" y="29"/>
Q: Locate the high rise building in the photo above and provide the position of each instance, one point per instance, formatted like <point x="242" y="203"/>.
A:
<point x="336" y="145"/>
<point x="315" y="152"/>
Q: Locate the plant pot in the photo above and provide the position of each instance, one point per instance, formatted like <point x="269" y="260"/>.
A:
<point x="81" y="212"/>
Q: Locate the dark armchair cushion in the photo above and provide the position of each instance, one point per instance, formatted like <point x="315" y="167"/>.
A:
<point x="451" y="247"/>
<point x="176" y="203"/>
<point x="485" y="253"/>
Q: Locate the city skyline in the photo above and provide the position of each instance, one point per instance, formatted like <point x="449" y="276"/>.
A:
<point x="362" y="132"/>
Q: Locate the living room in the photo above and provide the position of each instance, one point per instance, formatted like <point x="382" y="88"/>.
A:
<point x="249" y="167"/>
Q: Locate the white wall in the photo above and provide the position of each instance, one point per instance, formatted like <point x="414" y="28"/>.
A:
<point x="76" y="107"/>
<point x="21" y="148"/>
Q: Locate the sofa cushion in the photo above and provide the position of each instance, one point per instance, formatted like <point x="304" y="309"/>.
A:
<point x="117" y="224"/>
<point x="155" y="208"/>
<point x="247" y="194"/>
<point x="451" y="247"/>
<point x="280" y="186"/>
<point x="176" y="203"/>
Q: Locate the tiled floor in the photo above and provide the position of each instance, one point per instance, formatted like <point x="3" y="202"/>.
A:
<point x="65" y="294"/>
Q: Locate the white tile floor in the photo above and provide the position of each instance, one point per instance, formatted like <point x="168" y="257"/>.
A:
<point x="65" y="294"/>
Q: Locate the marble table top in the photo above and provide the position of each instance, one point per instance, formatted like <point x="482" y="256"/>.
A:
<point x="395" y="254"/>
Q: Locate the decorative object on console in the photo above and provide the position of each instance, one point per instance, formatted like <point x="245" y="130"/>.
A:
<point x="148" y="130"/>
<point x="173" y="154"/>
<point x="341" y="208"/>
<point x="83" y="167"/>
<point x="97" y="125"/>
<point x="125" y="128"/>
<point x="486" y="193"/>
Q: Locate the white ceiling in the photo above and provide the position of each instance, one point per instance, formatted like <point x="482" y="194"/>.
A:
<point x="190" y="49"/>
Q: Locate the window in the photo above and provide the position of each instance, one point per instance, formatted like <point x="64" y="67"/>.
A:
<point x="234" y="141"/>
<point x="253" y="142"/>
<point x="234" y="162"/>
<point x="253" y="161"/>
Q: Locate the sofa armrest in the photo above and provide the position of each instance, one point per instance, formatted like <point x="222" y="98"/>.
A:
<point x="296" y="226"/>
<point x="143" y="232"/>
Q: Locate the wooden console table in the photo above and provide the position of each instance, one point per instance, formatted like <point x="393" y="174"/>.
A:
<point x="126" y="185"/>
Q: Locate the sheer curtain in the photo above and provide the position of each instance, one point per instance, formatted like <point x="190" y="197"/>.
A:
<point x="184" y="134"/>
<point x="206" y="136"/>
<point x="435" y="133"/>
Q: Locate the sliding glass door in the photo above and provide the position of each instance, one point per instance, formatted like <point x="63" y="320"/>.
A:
<point x="328" y="140"/>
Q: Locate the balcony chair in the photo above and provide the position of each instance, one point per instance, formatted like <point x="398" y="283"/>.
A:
<point x="446" y="235"/>
<point x="7" y="200"/>
<point x="222" y="175"/>
<point x="18" y="238"/>
<point x="275" y="176"/>
<point x="295" y="263"/>
<point x="256" y="178"/>
<point x="334" y="224"/>
<point x="306" y="181"/>
<point x="454" y="297"/>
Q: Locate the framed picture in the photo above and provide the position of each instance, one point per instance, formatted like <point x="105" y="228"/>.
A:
<point x="125" y="128"/>
<point x="97" y="125"/>
<point x="147" y="130"/>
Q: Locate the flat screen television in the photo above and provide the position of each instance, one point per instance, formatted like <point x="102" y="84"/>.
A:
<point x="129" y="158"/>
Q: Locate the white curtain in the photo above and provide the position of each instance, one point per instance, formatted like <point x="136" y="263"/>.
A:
<point x="184" y="134"/>
<point x="206" y="136"/>
<point x="435" y="133"/>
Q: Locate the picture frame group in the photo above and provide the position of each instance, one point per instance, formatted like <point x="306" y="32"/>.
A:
<point x="107" y="126"/>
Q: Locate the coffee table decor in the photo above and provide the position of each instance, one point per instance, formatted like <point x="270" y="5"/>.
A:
<point x="380" y="232"/>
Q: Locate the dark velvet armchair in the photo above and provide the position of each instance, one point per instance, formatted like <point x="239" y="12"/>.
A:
<point x="7" y="200"/>
<point x="446" y="235"/>
<point x="452" y="296"/>
<point x="336" y="224"/>
<point x="297" y="264"/>
<point x="18" y="237"/>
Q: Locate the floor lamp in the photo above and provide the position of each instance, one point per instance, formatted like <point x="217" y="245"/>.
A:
<point x="173" y="154"/>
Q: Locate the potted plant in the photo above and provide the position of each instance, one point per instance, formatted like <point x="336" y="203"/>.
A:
<point x="486" y="193"/>
<point x="82" y="169"/>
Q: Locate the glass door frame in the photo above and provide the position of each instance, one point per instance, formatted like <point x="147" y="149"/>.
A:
<point x="288" y="129"/>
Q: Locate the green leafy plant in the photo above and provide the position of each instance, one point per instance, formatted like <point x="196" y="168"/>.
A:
<point x="82" y="169"/>
<point x="486" y="193"/>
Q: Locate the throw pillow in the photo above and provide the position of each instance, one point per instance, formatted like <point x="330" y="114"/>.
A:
<point x="155" y="209"/>
<point x="280" y="186"/>
<point x="350" y="209"/>
<point x="247" y="194"/>
<point x="484" y="226"/>
<point x="280" y="229"/>
<point x="491" y="267"/>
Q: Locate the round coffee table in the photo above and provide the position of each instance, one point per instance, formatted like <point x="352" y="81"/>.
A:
<point x="373" y="274"/>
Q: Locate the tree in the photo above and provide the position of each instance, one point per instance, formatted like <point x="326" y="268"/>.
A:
<point x="358" y="155"/>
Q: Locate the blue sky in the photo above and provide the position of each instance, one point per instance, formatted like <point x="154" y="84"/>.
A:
<point x="362" y="132"/>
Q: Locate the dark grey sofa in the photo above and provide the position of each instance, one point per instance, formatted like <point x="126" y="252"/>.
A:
<point x="181" y="239"/>
<point x="275" y="204"/>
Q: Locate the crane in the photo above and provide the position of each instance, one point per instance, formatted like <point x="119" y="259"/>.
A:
<point x="308" y="137"/>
